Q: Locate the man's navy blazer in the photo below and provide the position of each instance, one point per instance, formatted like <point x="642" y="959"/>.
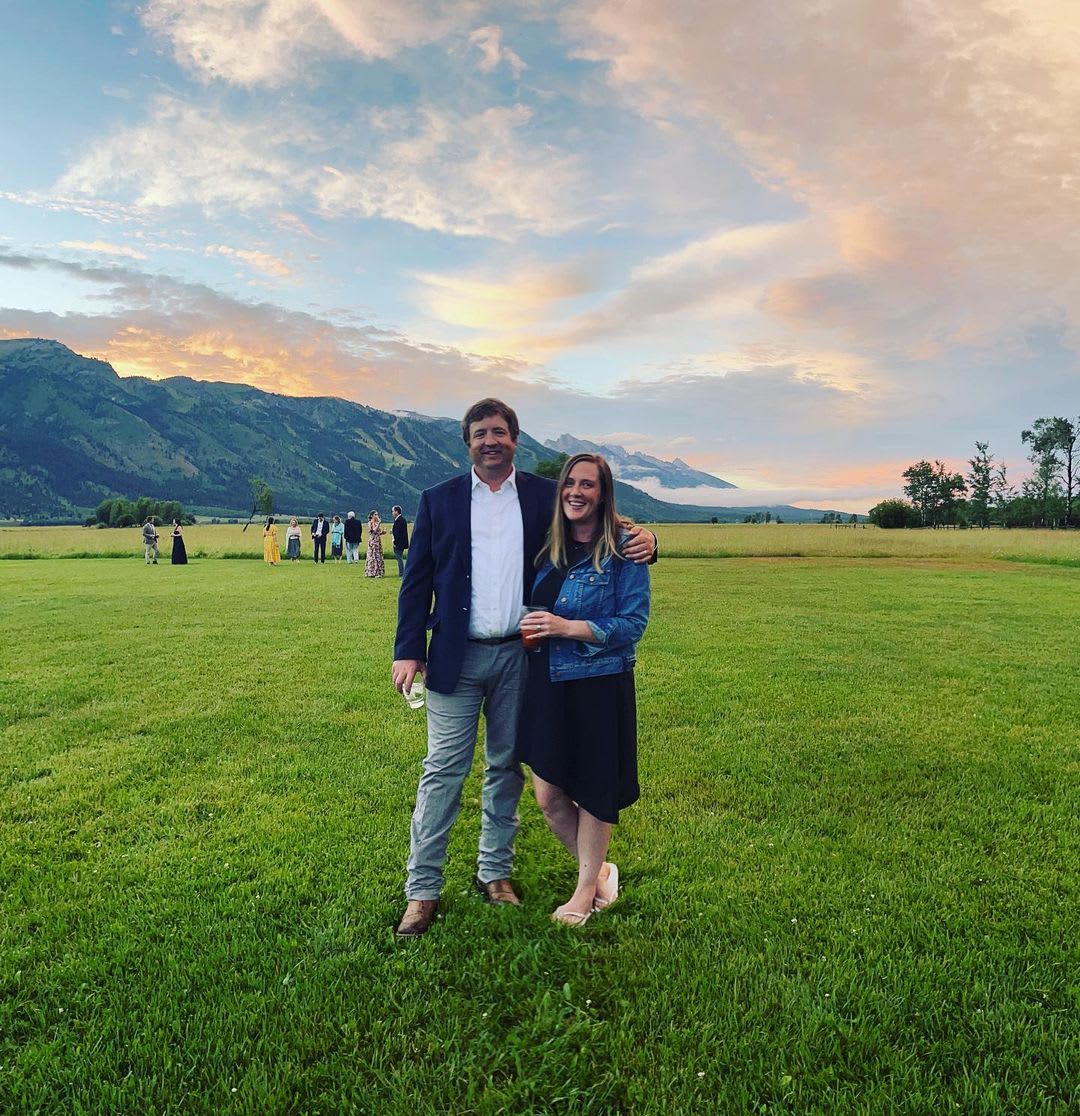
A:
<point x="436" y="592"/>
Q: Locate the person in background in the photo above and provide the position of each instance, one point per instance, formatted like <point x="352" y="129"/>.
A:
<point x="578" y="728"/>
<point x="375" y="566"/>
<point x="354" y="534"/>
<point x="400" y="532"/>
<point x="179" y="550"/>
<point x="271" y="551"/>
<point x="320" y="530"/>
<point x="470" y="558"/>
<point x="150" y="538"/>
<point x="337" y="535"/>
<point x="292" y="540"/>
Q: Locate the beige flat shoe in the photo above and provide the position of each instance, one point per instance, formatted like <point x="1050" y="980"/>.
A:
<point x="570" y="918"/>
<point x="611" y="890"/>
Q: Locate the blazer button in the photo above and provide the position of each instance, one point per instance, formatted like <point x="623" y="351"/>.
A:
<point x="563" y="601"/>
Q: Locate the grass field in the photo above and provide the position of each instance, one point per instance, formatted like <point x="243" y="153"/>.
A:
<point x="681" y="540"/>
<point x="850" y="885"/>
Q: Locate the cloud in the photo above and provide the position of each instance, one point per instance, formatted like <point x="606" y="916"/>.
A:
<point x="260" y="261"/>
<point x="272" y="42"/>
<point x="478" y="175"/>
<point x="937" y="141"/>
<point x="158" y="326"/>
<point x="488" y="40"/>
<point x="719" y="275"/>
<point x="185" y="154"/>
<point x="104" y="247"/>
<point x="107" y="212"/>
<point x="516" y="301"/>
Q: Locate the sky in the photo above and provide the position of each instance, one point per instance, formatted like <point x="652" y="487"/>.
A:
<point x="798" y="245"/>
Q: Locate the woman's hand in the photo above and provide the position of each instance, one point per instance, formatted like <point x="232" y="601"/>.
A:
<point x="546" y="625"/>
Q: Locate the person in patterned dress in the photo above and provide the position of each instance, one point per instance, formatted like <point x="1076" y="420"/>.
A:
<point x="375" y="566"/>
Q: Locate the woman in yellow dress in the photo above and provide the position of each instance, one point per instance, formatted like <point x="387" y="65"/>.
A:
<point x="271" y="553"/>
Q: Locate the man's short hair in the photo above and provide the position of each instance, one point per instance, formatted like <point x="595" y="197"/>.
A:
<point x="485" y="409"/>
<point x="395" y="508"/>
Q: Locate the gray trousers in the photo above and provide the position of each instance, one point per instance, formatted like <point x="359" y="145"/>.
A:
<point x="400" y="556"/>
<point x="493" y="682"/>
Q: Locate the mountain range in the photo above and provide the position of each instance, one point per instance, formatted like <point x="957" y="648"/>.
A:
<point x="629" y="466"/>
<point x="73" y="433"/>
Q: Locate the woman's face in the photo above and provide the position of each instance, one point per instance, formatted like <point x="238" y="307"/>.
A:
<point x="292" y="522"/>
<point x="581" y="494"/>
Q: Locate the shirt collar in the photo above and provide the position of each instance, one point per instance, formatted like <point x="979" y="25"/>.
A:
<point x="511" y="480"/>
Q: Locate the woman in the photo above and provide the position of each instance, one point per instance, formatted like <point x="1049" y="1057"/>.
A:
<point x="579" y="723"/>
<point x="271" y="552"/>
<point x="292" y="540"/>
<point x="337" y="538"/>
<point x="374" y="566"/>
<point x="179" y="550"/>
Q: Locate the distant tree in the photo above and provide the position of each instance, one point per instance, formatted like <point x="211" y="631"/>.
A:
<point x="121" y="513"/>
<point x="853" y="519"/>
<point x="262" y="499"/>
<point x="934" y="491"/>
<point x="768" y="517"/>
<point x="551" y="466"/>
<point x="1042" y="488"/>
<point x="1002" y="495"/>
<point x="895" y="513"/>
<point x="714" y="520"/>
<point x="779" y="520"/>
<point x="1054" y="458"/>
<point x="980" y="484"/>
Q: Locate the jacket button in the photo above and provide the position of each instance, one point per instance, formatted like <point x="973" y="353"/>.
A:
<point x="563" y="601"/>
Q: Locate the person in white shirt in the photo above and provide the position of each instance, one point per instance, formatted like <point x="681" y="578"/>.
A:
<point x="471" y="554"/>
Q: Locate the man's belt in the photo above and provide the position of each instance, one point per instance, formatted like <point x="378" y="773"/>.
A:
<point x="496" y="639"/>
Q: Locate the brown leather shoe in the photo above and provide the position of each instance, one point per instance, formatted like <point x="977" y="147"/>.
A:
<point x="497" y="891"/>
<point x="418" y="917"/>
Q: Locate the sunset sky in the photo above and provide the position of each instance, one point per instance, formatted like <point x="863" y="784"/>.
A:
<point x="799" y="245"/>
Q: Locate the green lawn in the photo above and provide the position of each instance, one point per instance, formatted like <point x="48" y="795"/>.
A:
<point x="850" y="885"/>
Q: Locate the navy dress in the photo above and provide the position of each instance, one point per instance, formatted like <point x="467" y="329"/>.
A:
<point x="581" y="734"/>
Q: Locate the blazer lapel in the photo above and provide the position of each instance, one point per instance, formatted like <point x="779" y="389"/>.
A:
<point x="463" y="515"/>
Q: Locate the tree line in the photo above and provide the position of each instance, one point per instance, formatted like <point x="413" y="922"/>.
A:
<point x="121" y="512"/>
<point x="984" y="496"/>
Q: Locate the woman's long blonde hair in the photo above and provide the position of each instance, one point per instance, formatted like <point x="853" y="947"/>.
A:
<point x="556" y="546"/>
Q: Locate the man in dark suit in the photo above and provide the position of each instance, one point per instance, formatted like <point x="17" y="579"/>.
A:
<point x="319" y="531"/>
<point x="354" y="533"/>
<point x="401" y="539"/>
<point x="473" y="545"/>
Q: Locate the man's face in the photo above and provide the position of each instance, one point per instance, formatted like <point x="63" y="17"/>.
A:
<point x="491" y="447"/>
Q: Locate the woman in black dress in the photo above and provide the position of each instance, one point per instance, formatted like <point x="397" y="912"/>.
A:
<point x="578" y="728"/>
<point x="179" y="550"/>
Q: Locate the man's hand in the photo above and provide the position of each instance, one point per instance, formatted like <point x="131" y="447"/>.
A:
<point x="640" y="546"/>
<point x="405" y="670"/>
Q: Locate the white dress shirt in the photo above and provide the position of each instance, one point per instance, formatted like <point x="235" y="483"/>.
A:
<point x="498" y="558"/>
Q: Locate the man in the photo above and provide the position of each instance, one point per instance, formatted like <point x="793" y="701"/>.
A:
<point x="150" y="541"/>
<point x="319" y="530"/>
<point x="473" y="545"/>
<point x="401" y="539"/>
<point x="354" y="533"/>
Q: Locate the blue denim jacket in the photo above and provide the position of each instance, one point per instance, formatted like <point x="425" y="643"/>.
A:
<point x="614" y="602"/>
